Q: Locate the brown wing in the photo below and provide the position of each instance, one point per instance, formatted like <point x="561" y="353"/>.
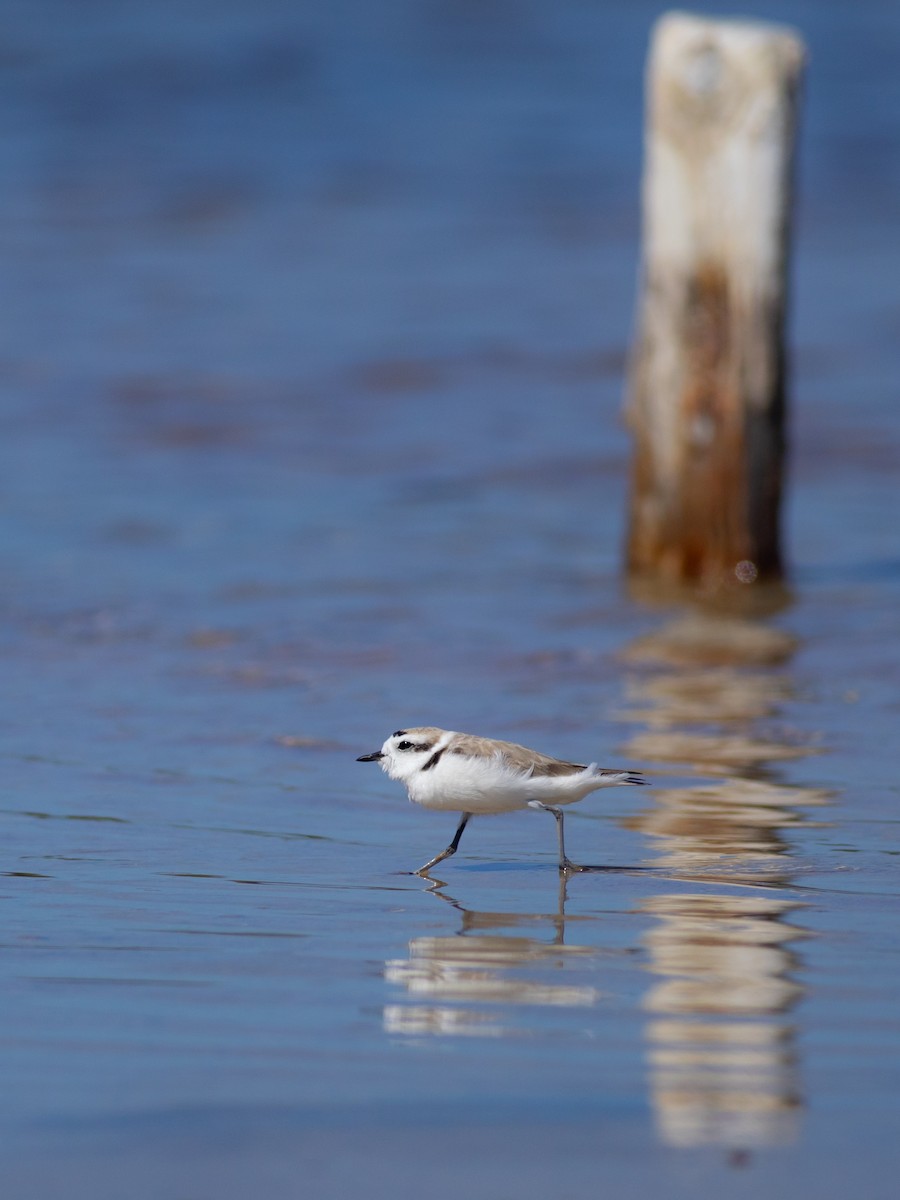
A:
<point x="519" y="757"/>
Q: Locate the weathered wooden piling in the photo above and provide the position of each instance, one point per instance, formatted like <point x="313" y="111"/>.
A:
<point x="707" y="388"/>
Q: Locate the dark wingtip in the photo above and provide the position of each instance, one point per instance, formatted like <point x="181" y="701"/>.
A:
<point x="639" y="779"/>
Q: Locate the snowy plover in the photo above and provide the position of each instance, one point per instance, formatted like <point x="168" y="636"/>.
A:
<point x="459" y="772"/>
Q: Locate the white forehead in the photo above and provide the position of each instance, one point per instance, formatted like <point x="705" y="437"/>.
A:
<point x="420" y="737"/>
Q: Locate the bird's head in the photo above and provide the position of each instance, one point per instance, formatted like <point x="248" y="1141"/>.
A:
<point x="406" y="751"/>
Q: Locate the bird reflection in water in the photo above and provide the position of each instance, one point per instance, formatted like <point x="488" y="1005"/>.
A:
<point x="724" y="1069"/>
<point x="484" y="964"/>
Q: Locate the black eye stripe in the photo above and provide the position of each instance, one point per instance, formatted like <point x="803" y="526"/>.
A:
<point x="417" y="746"/>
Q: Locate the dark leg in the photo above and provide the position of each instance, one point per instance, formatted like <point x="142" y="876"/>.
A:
<point x="565" y="864"/>
<point x="451" y="849"/>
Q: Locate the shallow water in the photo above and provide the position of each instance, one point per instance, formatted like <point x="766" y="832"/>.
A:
<point x="315" y="326"/>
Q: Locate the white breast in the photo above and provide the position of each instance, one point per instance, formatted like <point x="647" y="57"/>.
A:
<point x="458" y="783"/>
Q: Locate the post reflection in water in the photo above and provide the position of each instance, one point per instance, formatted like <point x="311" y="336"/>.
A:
<point x="723" y="1068"/>
<point x="481" y="965"/>
<point x="721" y="1047"/>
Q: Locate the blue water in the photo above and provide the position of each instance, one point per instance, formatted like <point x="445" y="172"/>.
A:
<point x="314" y="329"/>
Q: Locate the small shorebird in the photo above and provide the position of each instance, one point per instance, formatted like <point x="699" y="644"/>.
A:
<point x="459" y="772"/>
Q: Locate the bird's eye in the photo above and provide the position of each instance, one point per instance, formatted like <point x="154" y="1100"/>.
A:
<point x="404" y="745"/>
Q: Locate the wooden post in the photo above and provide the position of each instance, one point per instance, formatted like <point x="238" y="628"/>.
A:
<point x="707" y="388"/>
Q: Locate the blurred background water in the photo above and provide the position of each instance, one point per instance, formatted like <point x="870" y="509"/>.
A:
<point x="314" y="327"/>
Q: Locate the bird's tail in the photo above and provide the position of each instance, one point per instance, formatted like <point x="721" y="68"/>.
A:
<point x="613" y="778"/>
